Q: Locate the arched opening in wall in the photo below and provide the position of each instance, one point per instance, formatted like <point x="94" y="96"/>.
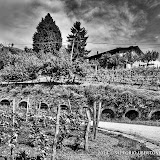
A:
<point x="132" y="114"/>
<point x="44" y="106"/>
<point x="64" y="107"/>
<point x="5" y="102"/>
<point x="1" y="65"/>
<point x="155" y="116"/>
<point x="107" y="114"/>
<point x="23" y="104"/>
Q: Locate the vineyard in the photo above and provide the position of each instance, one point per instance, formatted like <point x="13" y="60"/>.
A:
<point x="37" y="133"/>
<point x="38" y="120"/>
<point x="142" y="77"/>
<point x="147" y="78"/>
<point x="55" y="94"/>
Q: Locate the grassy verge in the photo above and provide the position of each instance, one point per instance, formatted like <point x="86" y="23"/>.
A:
<point x="109" y="147"/>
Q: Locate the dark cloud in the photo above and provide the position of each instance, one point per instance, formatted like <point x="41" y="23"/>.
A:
<point x="110" y="21"/>
<point x="14" y="13"/>
<point x="18" y="19"/>
<point x="117" y="20"/>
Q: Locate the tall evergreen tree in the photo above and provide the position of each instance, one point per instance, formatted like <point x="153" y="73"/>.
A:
<point x="77" y="41"/>
<point x="48" y="36"/>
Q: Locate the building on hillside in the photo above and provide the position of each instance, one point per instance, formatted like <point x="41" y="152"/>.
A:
<point x="134" y="50"/>
<point x="155" y="63"/>
<point x="1" y="45"/>
<point x="145" y="64"/>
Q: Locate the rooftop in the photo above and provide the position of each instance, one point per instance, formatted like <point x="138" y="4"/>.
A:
<point x="117" y="50"/>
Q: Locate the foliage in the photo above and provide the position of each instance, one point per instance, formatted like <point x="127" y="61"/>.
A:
<point x="28" y="50"/>
<point x="28" y="66"/>
<point x="21" y="67"/>
<point x="48" y="36"/>
<point x="105" y="61"/>
<point x="77" y="40"/>
<point x="37" y="133"/>
<point x="130" y="58"/>
<point x="150" y="56"/>
<point x="53" y="66"/>
<point x="59" y="66"/>
<point x="110" y="61"/>
<point x="79" y="69"/>
<point x="136" y="76"/>
<point x="118" y="60"/>
<point x="23" y="155"/>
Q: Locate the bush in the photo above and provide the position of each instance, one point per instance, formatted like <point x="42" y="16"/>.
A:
<point x="21" y="67"/>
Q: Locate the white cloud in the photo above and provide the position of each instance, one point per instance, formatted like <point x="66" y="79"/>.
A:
<point x="115" y="22"/>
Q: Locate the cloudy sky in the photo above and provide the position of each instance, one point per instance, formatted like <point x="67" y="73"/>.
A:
<point x="110" y="23"/>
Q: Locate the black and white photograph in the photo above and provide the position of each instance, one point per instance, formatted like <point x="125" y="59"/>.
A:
<point x="79" y="79"/>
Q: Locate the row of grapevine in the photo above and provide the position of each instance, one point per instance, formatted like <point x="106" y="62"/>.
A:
<point x="135" y="76"/>
<point x="39" y="133"/>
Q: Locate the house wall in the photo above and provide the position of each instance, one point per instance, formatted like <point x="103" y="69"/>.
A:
<point x="143" y="64"/>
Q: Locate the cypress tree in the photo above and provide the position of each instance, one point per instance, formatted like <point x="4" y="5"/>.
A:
<point x="47" y="38"/>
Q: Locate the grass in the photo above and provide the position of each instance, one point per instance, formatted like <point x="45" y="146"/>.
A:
<point x="108" y="146"/>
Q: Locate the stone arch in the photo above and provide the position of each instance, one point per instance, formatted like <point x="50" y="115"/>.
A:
<point x="5" y="102"/>
<point x="23" y="104"/>
<point x="132" y="114"/>
<point x="44" y="106"/>
<point x="64" y="107"/>
<point x="107" y="113"/>
<point x="154" y="115"/>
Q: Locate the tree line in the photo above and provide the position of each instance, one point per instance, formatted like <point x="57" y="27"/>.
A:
<point x="117" y="61"/>
<point x="48" y="57"/>
<point x="48" y="39"/>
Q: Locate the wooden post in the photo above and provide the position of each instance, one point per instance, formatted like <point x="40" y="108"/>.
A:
<point x="96" y="68"/>
<point x="27" y="109"/>
<point x="94" y="118"/>
<point x="36" y="113"/>
<point x="88" y="128"/>
<point x="13" y="129"/>
<point x="44" y="121"/>
<point x="56" y="134"/>
<point x="14" y="112"/>
<point x="72" y="50"/>
<point x="98" y="118"/>
<point x="69" y="103"/>
<point x="39" y="107"/>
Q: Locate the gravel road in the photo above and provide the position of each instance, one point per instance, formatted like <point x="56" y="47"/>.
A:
<point x="149" y="132"/>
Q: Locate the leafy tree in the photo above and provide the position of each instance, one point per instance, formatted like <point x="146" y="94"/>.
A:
<point x="48" y="36"/>
<point x="20" y="67"/>
<point x="55" y="66"/>
<point x="28" y="50"/>
<point x="77" y="40"/>
<point x="130" y="58"/>
<point x="118" y="60"/>
<point x="79" y="69"/>
<point x="150" y="56"/>
<point x="155" y="55"/>
<point x="110" y="61"/>
<point x="59" y="66"/>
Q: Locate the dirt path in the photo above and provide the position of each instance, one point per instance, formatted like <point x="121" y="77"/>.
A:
<point x="151" y="133"/>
